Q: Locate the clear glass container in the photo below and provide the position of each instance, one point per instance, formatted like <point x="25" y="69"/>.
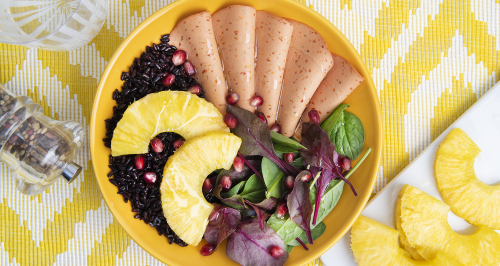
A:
<point x="36" y="148"/>
<point x="58" y="25"/>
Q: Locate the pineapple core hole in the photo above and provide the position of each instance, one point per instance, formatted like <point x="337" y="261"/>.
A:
<point x="459" y="225"/>
<point x="487" y="167"/>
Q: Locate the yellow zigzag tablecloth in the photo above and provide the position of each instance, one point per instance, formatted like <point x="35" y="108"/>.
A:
<point x="430" y="60"/>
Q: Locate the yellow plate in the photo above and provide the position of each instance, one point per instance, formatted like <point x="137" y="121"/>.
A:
<point x="364" y="103"/>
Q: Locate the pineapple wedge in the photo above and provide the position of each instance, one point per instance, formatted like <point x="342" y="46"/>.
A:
<point x="184" y="205"/>
<point x="374" y="243"/>
<point x="168" y="111"/>
<point x="424" y="221"/>
<point x="403" y="241"/>
<point x="469" y="198"/>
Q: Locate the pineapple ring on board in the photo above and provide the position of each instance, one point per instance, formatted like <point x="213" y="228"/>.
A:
<point x="167" y="111"/>
<point x="468" y="197"/>
<point x="424" y="221"/>
<point x="374" y="243"/>
<point x="183" y="203"/>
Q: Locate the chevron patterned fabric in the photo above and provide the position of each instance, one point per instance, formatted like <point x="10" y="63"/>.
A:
<point x="430" y="61"/>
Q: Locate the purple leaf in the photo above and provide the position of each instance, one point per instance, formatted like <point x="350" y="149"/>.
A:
<point x="235" y="202"/>
<point x="267" y="204"/>
<point x="261" y="214"/>
<point x="247" y="163"/>
<point x="299" y="205"/>
<point x="256" y="138"/>
<point x="222" y="223"/>
<point x="324" y="179"/>
<point x="320" y="151"/>
<point x="249" y="245"/>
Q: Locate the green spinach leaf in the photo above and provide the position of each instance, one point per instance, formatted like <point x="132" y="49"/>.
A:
<point x="285" y="228"/>
<point x="329" y="199"/>
<point x="288" y="230"/>
<point x="348" y="135"/>
<point x="273" y="177"/>
<point x="284" y="144"/>
<point x="299" y="163"/>
<point x="280" y="148"/>
<point x="254" y="190"/>
<point x="235" y="190"/>
<point x="316" y="233"/>
<point x="330" y="122"/>
<point x="289" y="248"/>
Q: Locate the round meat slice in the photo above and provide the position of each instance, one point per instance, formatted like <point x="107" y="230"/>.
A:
<point x="195" y="35"/>
<point x="307" y="63"/>
<point x="273" y="40"/>
<point x="234" y="28"/>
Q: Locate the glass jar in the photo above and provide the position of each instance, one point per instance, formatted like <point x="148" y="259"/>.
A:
<point x="36" y="148"/>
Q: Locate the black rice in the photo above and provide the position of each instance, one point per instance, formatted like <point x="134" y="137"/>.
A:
<point x="145" y="77"/>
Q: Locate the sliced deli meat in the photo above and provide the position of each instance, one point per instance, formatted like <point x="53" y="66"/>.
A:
<point x="234" y="29"/>
<point x="273" y="36"/>
<point x="307" y="63"/>
<point x="340" y="81"/>
<point x="195" y="35"/>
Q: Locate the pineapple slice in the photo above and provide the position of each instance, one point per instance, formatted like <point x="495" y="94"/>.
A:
<point x="168" y="111"/>
<point x="469" y="198"/>
<point x="184" y="205"/>
<point x="374" y="243"/>
<point x="424" y="221"/>
<point x="403" y="241"/>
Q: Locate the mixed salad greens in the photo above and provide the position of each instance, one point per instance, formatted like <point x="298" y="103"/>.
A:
<point x="303" y="188"/>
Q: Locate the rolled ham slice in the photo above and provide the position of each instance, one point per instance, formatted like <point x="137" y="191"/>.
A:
<point x="333" y="90"/>
<point x="307" y="63"/>
<point x="195" y="35"/>
<point x="273" y="40"/>
<point x="234" y="29"/>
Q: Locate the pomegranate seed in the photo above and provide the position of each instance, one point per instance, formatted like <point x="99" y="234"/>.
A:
<point x="230" y="120"/>
<point x="195" y="89"/>
<point x="157" y="145"/>
<point x="256" y="101"/>
<point x="208" y="249"/>
<point x="226" y="183"/>
<point x="179" y="57"/>
<point x="150" y="177"/>
<point x="232" y="98"/>
<point x="139" y="162"/>
<point x="306" y="178"/>
<point x="178" y="143"/>
<point x="289" y="157"/>
<point x="314" y="116"/>
<point x="208" y="185"/>
<point x="262" y="117"/>
<point x="276" y="128"/>
<point x="281" y="210"/>
<point x="289" y="182"/>
<point x="346" y="164"/>
<point x="189" y="68"/>
<point x="238" y="164"/>
<point x="168" y="80"/>
<point x="276" y="251"/>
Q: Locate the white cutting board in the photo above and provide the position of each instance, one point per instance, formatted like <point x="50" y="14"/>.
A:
<point x="482" y="123"/>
